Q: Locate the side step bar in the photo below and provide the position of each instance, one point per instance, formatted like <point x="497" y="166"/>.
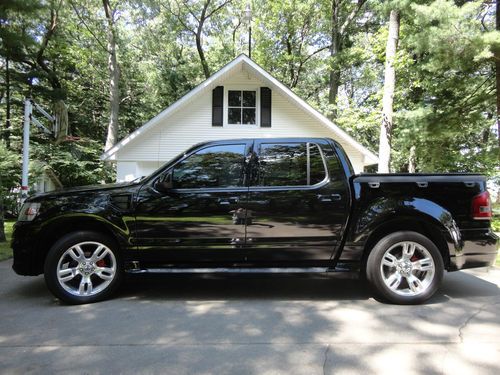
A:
<point x="237" y="270"/>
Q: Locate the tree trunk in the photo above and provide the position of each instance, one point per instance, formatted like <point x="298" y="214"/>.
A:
<point x="384" y="151"/>
<point x="114" y="79"/>
<point x="199" y="31"/>
<point x="203" y="60"/>
<point x="334" y="83"/>
<point x="497" y="68"/>
<point x="7" y="104"/>
<point x="51" y="74"/>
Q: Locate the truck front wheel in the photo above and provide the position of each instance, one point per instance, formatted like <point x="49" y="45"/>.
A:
<point x="405" y="268"/>
<point x="83" y="267"/>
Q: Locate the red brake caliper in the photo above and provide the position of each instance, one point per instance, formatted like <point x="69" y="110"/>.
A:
<point x="101" y="263"/>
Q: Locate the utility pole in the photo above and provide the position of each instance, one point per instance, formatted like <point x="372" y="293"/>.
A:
<point x="28" y="119"/>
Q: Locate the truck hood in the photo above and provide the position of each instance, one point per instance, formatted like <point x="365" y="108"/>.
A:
<point x="82" y="189"/>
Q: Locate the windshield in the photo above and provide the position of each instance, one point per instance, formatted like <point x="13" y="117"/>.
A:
<point x="168" y="163"/>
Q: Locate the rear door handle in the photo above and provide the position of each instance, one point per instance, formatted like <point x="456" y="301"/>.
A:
<point x="329" y="197"/>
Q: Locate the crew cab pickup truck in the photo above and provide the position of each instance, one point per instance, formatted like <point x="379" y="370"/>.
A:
<point x="259" y="205"/>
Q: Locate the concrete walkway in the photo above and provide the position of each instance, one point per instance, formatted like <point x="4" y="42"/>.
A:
<point x="251" y="325"/>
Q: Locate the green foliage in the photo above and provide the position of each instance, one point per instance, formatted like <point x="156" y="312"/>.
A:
<point x="445" y="89"/>
<point x="5" y="249"/>
<point x="10" y="168"/>
<point x="75" y="163"/>
<point x="495" y="224"/>
<point x="445" y="97"/>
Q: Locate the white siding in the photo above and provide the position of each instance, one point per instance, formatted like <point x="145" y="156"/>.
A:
<point x="126" y="171"/>
<point x="193" y="124"/>
<point x="130" y="170"/>
<point x="44" y="184"/>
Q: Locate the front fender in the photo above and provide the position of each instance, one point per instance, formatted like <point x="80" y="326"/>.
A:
<point x="386" y="211"/>
<point x="117" y="226"/>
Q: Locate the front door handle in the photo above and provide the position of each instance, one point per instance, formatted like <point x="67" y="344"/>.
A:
<point x="329" y="197"/>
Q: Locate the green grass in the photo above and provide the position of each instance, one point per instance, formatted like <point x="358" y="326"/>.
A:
<point x="5" y="250"/>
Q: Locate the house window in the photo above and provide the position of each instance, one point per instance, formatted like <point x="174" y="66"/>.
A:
<point x="242" y="107"/>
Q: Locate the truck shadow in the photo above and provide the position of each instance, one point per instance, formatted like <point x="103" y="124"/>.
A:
<point x="250" y="286"/>
<point x="295" y="287"/>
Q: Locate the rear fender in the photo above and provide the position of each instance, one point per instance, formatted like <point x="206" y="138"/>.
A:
<point x="384" y="211"/>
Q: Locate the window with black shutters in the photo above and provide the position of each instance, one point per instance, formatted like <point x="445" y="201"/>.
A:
<point x="290" y="164"/>
<point x="242" y="107"/>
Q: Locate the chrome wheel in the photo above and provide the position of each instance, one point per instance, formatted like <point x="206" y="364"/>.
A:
<point x="407" y="268"/>
<point x="86" y="269"/>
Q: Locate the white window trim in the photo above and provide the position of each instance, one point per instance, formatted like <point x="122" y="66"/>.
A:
<point x="257" y="105"/>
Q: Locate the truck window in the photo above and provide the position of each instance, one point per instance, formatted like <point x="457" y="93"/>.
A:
<point x="290" y="164"/>
<point x="211" y="167"/>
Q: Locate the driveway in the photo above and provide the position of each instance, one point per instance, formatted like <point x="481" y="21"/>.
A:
<point x="251" y="325"/>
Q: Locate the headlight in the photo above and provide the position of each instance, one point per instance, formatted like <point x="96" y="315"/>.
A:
<point x="28" y="212"/>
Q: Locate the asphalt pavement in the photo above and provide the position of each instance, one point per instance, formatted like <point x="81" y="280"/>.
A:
<point x="258" y="324"/>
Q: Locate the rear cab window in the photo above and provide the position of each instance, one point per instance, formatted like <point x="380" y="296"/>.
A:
<point x="290" y="164"/>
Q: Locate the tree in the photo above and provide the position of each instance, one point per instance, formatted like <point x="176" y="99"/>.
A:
<point x="341" y="20"/>
<point x="445" y="98"/>
<point x="114" y="77"/>
<point x="9" y="173"/>
<point x="290" y="43"/>
<point x="445" y="101"/>
<point x="194" y="18"/>
<point x="384" y="152"/>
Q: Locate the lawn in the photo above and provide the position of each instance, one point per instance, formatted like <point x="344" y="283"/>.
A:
<point x="5" y="250"/>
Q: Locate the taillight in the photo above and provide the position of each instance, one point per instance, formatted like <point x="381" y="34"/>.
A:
<point x="481" y="206"/>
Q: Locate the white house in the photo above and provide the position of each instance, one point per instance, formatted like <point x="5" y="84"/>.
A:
<point x="241" y="100"/>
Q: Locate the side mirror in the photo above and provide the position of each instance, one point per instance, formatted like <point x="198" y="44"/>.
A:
<point x="164" y="183"/>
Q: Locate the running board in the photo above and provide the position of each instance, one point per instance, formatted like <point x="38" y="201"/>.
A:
<point x="237" y="270"/>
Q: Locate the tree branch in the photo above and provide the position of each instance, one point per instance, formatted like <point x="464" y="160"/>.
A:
<point x="87" y="27"/>
<point x="351" y="16"/>
<point x="222" y="5"/>
<point x="54" y="80"/>
<point x="178" y="16"/>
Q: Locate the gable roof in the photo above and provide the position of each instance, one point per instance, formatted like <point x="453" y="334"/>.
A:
<point x="213" y="81"/>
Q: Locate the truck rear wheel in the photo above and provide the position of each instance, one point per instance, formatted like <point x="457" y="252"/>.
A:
<point x="83" y="267"/>
<point x="405" y="268"/>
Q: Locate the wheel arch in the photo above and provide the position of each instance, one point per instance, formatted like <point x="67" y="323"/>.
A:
<point x="55" y="230"/>
<point x="426" y="227"/>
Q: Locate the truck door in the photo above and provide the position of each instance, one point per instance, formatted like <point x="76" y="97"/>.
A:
<point x="298" y="202"/>
<point x="199" y="217"/>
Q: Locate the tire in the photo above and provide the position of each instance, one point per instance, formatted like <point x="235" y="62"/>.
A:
<point x="405" y="268"/>
<point x="83" y="267"/>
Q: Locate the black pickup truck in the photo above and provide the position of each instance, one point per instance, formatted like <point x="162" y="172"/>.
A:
<point x="259" y="205"/>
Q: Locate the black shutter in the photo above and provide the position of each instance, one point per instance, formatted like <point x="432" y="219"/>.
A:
<point x="217" y="105"/>
<point x="265" y="107"/>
